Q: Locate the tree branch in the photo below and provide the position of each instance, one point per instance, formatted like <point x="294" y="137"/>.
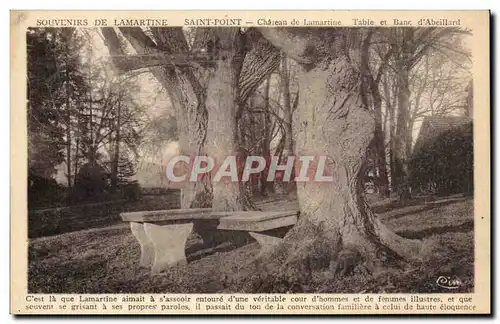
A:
<point x="427" y="43"/>
<point x="171" y="40"/>
<point x="136" y="34"/>
<point x="128" y="63"/>
<point x="260" y="61"/>
<point x="292" y="41"/>
<point x="384" y="63"/>
<point x="114" y="48"/>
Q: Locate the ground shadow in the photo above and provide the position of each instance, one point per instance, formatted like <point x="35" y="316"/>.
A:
<point x="225" y="241"/>
<point x="412" y="209"/>
<point x="395" y="204"/>
<point x="462" y="228"/>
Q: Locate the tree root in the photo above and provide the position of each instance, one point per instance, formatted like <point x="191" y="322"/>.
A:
<point x="308" y="250"/>
<point x="408" y="249"/>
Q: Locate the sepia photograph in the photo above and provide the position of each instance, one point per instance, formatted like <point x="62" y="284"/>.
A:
<point x="250" y="160"/>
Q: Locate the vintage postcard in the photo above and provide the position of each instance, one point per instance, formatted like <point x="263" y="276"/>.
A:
<point x="250" y="162"/>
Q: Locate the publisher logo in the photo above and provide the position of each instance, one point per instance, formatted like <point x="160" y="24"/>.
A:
<point x="448" y="282"/>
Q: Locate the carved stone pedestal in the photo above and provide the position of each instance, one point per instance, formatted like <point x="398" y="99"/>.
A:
<point x="147" y="248"/>
<point x="162" y="246"/>
<point x="266" y="241"/>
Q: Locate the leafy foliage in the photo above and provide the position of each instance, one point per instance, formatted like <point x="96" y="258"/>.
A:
<point x="44" y="192"/>
<point x="82" y="117"/>
<point x="55" y="82"/>
<point x="53" y="74"/>
<point x="445" y="165"/>
<point x="90" y="184"/>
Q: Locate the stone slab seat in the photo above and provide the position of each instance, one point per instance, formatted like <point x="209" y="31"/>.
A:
<point x="167" y="215"/>
<point x="266" y="227"/>
<point x="162" y="234"/>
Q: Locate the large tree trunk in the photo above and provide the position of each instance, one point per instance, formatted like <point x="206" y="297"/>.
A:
<point x="185" y="93"/>
<point x="188" y="99"/>
<point x="192" y="120"/>
<point x="222" y="105"/>
<point x="343" y="132"/>
<point x="188" y="91"/>
<point x="336" y="227"/>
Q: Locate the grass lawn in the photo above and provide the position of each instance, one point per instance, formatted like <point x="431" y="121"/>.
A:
<point x="105" y="260"/>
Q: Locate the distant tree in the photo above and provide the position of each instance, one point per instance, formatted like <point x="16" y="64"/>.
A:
<point x="45" y="128"/>
<point x="75" y="88"/>
<point x="413" y="44"/>
<point x="439" y="87"/>
<point x="288" y="148"/>
<point x="55" y="86"/>
<point x="423" y="77"/>
<point x="373" y="68"/>
<point x="128" y="127"/>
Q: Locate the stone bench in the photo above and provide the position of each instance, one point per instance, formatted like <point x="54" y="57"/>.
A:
<point x="267" y="228"/>
<point x="162" y="234"/>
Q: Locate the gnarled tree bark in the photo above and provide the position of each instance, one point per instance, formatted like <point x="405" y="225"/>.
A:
<point x="336" y="227"/>
<point x="189" y="111"/>
<point x="189" y="76"/>
<point x="222" y="104"/>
